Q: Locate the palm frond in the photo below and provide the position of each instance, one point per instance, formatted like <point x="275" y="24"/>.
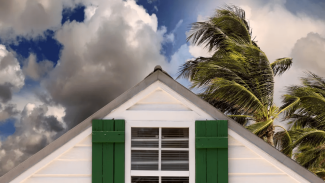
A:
<point x="314" y="81"/>
<point x="306" y="136"/>
<point x="232" y="93"/>
<point x="281" y="65"/>
<point x="290" y="104"/>
<point x="311" y="157"/>
<point x="259" y="126"/>
<point x="241" y="119"/>
<point x="282" y="140"/>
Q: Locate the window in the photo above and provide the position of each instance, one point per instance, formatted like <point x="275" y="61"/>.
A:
<point x="159" y="152"/>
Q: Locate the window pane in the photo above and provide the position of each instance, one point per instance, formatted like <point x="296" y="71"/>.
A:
<point x="145" y="137"/>
<point x="144" y="160"/>
<point x="174" y="138"/>
<point x="174" y="179"/>
<point x="145" y="179"/>
<point x="174" y="160"/>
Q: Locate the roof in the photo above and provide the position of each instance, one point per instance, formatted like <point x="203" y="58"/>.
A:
<point x="159" y="75"/>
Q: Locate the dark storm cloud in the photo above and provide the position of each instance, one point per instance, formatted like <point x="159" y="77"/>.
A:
<point x="312" y="8"/>
<point x="34" y="130"/>
<point x="5" y="92"/>
<point x="309" y="53"/>
<point x="45" y="98"/>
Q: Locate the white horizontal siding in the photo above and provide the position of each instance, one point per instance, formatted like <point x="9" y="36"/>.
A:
<point x="262" y="178"/>
<point x="77" y="153"/>
<point x="250" y="166"/>
<point x="85" y="142"/>
<point x="59" y="180"/>
<point x="241" y="152"/>
<point x="67" y="167"/>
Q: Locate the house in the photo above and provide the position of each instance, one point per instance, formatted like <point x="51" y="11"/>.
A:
<point x="159" y="132"/>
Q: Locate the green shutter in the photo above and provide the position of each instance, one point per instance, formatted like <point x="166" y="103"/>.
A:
<point x="211" y="155"/>
<point x="108" y="151"/>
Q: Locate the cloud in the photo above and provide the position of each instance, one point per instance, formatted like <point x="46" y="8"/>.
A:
<point x="35" y="70"/>
<point x="178" y="59"/>
<point x="309" y="53"/>
<point x="102" y="57"/>
<point x="11" y="75"/>
<point x="34" y="130"/>
<point x="170" y="37"/>
<point x="7" y="111"/>
<point x="277" y="29"/>
<point x="29" y="18"/>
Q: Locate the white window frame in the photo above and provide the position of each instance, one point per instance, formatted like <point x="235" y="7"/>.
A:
<point x="158" y="124"/>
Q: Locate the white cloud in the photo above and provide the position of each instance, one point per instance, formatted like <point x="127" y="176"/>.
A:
<point x="90" y="12"/>
<point x="170" y="37"/>
<point x="29" y="18"/>
<point x="309" y="53"/>
<point x="113" y="50"/>
<point x="10" y="71"/>
<point x="199" y="51"/>
<point x="178" y="59"/>
<point x="11" y="75"/>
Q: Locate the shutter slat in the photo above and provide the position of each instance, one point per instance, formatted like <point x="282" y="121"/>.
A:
<point x="211" y="142"/>
<point x="108" y="154"/>
<point x="119" y="159"/>
<point x="212" y="154"/>
<point x="200" y="154"/>
<point x="223" y="153"/>
<point x="97" y="155"/>
<point x="108" y="137"/>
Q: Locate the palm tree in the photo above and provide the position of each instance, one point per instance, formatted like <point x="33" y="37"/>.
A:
<point x="307" y="124"/>
<point x="238" y="78"/>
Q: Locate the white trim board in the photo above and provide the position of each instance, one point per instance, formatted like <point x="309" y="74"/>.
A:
<point x="154" y="123"/>
<point x="122" y="111"/>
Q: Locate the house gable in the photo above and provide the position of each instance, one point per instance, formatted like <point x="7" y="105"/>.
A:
<point x="74" y="148"/>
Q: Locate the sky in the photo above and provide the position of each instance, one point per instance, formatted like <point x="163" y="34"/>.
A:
<point x="62" y="60"/>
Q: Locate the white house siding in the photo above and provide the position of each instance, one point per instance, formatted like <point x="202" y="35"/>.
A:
<point x="160" y="103"/>
<point x="71" y="166"/>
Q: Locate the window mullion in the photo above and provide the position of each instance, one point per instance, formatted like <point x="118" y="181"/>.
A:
<point x="160" y="134"/>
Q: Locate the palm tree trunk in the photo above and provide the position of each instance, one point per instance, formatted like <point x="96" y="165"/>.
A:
<point x="270" y="135"/>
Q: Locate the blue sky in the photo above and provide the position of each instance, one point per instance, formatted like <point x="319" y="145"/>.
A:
<point x="60" y="61"/>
